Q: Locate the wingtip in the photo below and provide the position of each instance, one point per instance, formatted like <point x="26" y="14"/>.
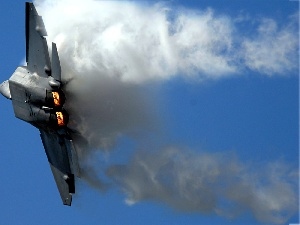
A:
<point x="68" y="201"/>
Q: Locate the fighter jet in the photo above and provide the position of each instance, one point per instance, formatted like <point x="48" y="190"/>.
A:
<point x="37" y="98"/>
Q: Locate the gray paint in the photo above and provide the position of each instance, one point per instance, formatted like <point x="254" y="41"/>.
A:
<point x="30" y="88"/>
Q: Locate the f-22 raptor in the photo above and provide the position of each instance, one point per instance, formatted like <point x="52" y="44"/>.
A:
<point x="37" y="98"/>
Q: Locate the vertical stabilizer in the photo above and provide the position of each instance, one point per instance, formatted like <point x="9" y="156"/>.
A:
<point x="56" y="69"/>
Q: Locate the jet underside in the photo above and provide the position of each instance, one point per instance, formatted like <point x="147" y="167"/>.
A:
<point x="36" y="91"/>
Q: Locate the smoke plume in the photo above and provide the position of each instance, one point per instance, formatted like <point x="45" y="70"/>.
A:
<point x="209" y="183"/>
<point x="112" y="51"/>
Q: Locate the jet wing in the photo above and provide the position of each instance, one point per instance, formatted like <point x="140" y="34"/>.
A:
<point x="37" y="55"/>
<point x="63" y="162"/>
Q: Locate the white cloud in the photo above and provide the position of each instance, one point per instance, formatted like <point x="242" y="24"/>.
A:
<point x="273" y="50"/>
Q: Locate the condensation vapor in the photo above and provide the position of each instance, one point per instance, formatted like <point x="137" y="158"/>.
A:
<point x="112" y="51"/>
<point x="210" y="183"/>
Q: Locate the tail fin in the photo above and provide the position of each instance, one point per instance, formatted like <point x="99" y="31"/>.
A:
<point x="56" y="69"/>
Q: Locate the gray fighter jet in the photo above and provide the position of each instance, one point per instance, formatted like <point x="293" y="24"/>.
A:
<point x="37" y="98"/>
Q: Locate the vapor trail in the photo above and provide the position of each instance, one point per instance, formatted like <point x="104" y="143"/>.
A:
<point x="117" y="39"/>
<point x="209" y="183"/>
<point x="111" y="52"/>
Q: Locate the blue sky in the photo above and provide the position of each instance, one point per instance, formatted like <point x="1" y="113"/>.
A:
<point x="245" y="110"/>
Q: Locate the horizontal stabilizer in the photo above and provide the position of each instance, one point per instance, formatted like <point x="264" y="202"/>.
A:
<point x="56" y="69"/>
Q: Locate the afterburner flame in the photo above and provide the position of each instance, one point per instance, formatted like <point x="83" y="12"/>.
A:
<point x="56" y="98"/>
<point x="60" y="119"/>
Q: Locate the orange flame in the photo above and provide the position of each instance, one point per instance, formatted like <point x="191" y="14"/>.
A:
<point x="56" y="98"/>
<point x="60" y="119"/>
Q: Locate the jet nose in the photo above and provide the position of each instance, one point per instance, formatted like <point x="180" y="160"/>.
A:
<point x="4" y="89"/>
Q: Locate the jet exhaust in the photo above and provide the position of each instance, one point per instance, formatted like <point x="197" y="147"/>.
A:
<point x="110" y="59"/>
<point x="56" y="99"/>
